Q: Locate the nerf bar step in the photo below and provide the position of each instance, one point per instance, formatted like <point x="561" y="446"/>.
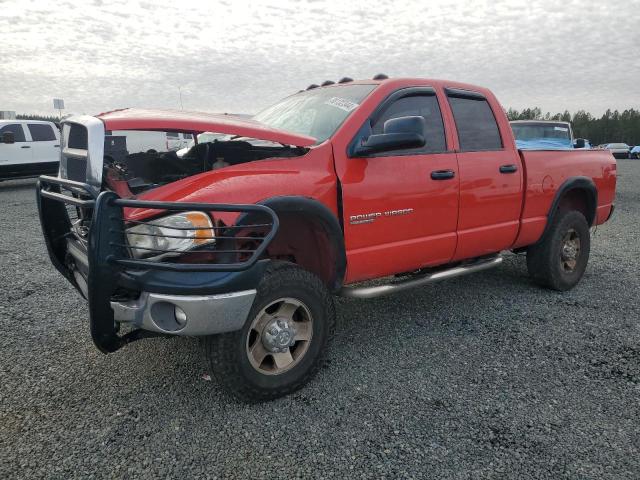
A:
<point x="389" y="288"/>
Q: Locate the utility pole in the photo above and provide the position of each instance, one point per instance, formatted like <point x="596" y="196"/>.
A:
<point x="180" y="92"/>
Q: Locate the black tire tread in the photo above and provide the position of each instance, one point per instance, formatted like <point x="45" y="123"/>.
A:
<point x="541" y="261"/>
<point x="221" y="350"/>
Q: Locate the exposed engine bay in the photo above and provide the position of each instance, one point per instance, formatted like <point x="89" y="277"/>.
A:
<point x="150" y="169"/>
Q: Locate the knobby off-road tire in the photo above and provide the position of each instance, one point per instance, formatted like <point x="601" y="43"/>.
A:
<point x="290" y="303"/>
<point x="560" y="258"/>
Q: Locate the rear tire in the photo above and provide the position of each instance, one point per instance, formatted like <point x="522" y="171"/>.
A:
<point x="560" y="258"/>
<point x="291" y="304"/>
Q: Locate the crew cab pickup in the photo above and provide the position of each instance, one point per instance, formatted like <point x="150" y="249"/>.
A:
<point x="28" y="148"/>
<point x="245" y="239"/>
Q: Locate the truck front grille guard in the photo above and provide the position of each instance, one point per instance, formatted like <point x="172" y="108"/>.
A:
<point x="108" y="224"/>
<point x="109" y="256"/>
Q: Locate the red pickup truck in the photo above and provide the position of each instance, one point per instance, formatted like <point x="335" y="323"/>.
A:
<point x="245" y="238"/>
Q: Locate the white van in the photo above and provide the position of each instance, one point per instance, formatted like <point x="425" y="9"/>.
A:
<point x="28" y="148"/>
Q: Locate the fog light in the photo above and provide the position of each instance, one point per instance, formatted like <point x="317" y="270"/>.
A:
<point x="181" y="316"/>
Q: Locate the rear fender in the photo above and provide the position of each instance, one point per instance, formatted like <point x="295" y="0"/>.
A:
<point x="585" y="186"/>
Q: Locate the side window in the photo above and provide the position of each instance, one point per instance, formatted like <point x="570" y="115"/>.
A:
<point x="16" y="128"/>
<point x="476" y="125"/>
<point x="417" y="105"/>
<point x="173" y="135"/>
<point x="41" y="132"/>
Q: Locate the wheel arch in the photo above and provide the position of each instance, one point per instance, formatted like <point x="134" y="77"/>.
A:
<point x="575" y="193"/>
<point x="311" y="233"/>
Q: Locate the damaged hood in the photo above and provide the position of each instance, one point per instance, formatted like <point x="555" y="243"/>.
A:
<point x="179" y="120"/>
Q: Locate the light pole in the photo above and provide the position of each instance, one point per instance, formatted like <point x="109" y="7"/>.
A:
<point x="58" y="104"/>
<point x="180" y="93"/>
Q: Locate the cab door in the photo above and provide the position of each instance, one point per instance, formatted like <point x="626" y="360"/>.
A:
<point x="15" y="156"/>
<point x="45" y="143"/>
<point x="490" y="177"/>
<point x="400" y="208"/>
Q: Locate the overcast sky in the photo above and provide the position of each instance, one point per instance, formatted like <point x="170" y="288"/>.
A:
<point x="238" y="56"/>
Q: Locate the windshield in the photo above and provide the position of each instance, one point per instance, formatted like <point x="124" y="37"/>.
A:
<point x="536" y="131"/>
<point x="317" y="113"/>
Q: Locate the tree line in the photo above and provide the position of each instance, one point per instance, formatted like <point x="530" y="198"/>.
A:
<point x="611" y="127"/>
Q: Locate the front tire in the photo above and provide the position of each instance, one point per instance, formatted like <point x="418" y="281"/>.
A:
<point x="284" y="340"/>
<point x="560" y="258"/>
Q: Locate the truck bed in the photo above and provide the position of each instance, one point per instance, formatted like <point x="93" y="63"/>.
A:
<point x="546" y="171"/>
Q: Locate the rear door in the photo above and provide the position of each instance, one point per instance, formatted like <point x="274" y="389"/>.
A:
<point x="45" y="144"/>
<point x="401" y="207"/>
<point x="490" y="178"/>
<point x="18" y="154"/>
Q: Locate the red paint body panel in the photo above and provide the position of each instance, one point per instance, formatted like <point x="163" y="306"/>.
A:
<point x="490" y="201"/>
<point x="310" y="175"/>
<point x="480" y="211"/>
<point x="548" y="170"/>
<point x="395" y="244"/>
<point x="179" y="120"/>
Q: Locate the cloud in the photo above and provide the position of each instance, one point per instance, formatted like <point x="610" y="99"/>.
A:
<point x="241" y="56"/>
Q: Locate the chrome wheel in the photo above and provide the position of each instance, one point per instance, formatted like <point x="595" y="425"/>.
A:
<point x="570" y="250"/>
<point x="279" y="336"/>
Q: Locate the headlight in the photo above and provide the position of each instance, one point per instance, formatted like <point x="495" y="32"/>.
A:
<point x="180" y="232"/>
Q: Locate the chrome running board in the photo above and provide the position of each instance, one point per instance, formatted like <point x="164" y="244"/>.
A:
<point x="389" y="288"/>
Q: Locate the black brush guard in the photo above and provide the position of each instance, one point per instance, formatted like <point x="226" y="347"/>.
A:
<point x="109" y="265"/>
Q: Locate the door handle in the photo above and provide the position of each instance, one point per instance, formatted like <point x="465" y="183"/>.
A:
<point x="508" y="168"/>
<point x="442" y="174"/>
<point x="25" y="146"/>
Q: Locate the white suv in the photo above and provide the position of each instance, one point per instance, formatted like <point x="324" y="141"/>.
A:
<point x="28" y="148"/>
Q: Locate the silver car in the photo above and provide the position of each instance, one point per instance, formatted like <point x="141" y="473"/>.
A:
<point x="618" y="150"/>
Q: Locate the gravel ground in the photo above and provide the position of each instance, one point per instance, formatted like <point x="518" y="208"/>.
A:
<point x="485" y="376"/>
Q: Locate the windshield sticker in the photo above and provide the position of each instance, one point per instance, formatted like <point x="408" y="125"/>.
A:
<point x="342" y="104"/>
<point x="561" y="129"/>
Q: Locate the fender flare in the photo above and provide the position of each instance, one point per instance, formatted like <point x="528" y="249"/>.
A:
<point x="310" y="208"/>
<point x="574" y="183"/>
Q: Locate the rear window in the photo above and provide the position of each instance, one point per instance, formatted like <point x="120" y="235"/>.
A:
<point x="16" y="129"/>
<point x="476" y="125"/>
<point x="41" y="132"/>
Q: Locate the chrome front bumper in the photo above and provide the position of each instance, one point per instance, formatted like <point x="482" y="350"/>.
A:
<point x="187" y="315"/>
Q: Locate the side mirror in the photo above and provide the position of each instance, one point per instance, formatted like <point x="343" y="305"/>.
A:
<point x="8" y="137"/>
<point x="398" y="133"/>
<point x="579" y="143"/>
